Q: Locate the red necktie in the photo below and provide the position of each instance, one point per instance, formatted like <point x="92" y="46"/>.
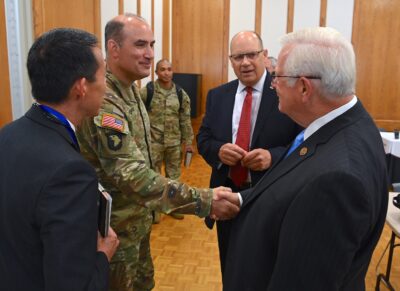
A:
<point x="239" y="173"/>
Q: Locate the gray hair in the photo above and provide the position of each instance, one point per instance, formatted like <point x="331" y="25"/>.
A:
<point x="321" y="52"/>
<point x="273" y="61"/>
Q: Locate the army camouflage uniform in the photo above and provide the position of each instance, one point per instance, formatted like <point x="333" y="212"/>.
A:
<point x="170" y="127"/>
<point x="116" y="143"/>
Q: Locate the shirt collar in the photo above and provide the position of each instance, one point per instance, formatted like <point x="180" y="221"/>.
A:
<point x="69" y="122"/>
<point x="318" y="123"/>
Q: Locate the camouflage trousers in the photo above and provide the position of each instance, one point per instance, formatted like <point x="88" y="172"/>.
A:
<point x="171" y="156"/>
<point x="132" y="267"/>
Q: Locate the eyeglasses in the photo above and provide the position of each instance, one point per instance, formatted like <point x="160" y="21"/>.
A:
<point x="250" y="56"/>
<point x="274" y="76"/>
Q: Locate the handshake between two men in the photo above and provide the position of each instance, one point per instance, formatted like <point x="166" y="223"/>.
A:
<point x="225" y="204"/>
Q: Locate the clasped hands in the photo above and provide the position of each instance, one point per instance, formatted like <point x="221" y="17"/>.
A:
<point x="256" y="160"/>
<point x="225" y="204"/>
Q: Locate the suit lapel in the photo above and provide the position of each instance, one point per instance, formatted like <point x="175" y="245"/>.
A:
<point x="268" y="102"/>
<point x="298" y="156"/>
<point x="39" y="116"/>
<point x="279" y="169"/>
<point x="227" y="112"/>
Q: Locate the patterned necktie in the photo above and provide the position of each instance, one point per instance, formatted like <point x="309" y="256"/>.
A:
<point x="297" y="141"/>
<point x="238" y="172"/>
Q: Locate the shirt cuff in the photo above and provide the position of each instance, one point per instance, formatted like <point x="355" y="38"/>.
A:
<point x="240" y="199"/>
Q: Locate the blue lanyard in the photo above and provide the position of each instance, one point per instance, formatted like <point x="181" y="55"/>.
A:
<point x="62" y="119"/>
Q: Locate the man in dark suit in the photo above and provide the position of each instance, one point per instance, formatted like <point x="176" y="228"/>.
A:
<point x="313" y="220"/>
<point x="48" y="191"/>
<point x="220" y="138"/>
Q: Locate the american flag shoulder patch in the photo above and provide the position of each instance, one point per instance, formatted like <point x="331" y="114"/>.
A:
<point x="112" y="121"/>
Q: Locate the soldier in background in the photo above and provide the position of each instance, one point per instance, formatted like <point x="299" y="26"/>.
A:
<point x="168" y="107"/>
<point x="117" y="143"/>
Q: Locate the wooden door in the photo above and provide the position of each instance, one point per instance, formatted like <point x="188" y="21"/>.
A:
<point x="200" y="41"/>
<point x="5" y="95"/>
<point x="376" y="40"/>
<point x="83" y="14"/>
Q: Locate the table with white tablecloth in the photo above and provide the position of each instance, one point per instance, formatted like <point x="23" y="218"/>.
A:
<point x="392" y="150"/>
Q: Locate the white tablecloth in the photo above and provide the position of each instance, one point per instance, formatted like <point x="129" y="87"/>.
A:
<point x="391" y="145"/>
<point x="393" y="215"/>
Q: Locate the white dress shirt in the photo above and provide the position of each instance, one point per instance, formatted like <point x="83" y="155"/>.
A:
<point x="255" y="105"/>
<point x="318" y="123"/>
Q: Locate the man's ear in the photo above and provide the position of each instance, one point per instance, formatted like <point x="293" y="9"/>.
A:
<point x="79" y="88"/>
<point x="112" y="48"/>
<point x="306" y="88"/>
<point x="265" y="52"/>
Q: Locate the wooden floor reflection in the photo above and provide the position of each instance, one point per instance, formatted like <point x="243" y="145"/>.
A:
<point x="185" y="252"/>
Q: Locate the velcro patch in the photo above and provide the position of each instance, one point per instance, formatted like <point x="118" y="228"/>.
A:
<point x="114" y="141"/>
<point x="112" y="121"/>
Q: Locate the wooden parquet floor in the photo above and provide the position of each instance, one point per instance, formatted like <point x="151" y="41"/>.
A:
<point x="185" y="252"/>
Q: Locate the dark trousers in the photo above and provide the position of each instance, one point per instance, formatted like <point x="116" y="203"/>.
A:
<point x="224" y="227"/>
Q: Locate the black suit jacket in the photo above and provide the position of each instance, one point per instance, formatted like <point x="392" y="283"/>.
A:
<point x="312" y="222"/>
<point x="273" y="130"/>
<point x="48" y="210"/>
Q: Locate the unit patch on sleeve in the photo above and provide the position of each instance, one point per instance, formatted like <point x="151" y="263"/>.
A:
<point x="114" y="140"/>
<point x="112" y="121"/>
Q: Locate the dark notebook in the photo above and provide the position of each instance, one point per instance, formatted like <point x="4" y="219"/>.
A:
<point x="105" y="203"/>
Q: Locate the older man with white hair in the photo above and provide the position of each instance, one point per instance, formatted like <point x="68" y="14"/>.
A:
<point x="313" y="220"/>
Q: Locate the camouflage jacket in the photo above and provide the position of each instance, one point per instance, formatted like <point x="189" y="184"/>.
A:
<point x="169" y="125"/>
<point x="116" y="142"/>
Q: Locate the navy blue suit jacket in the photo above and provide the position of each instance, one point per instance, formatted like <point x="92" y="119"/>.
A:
<point x="48" y="210"/>
<point x="313" y="221"/>
<point x="273" y="130"/>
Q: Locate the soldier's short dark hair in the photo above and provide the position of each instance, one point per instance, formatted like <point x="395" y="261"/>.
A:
<point x="59" y="58"/>
<point x="161" y="61"/>
<point x="113" y="31"/>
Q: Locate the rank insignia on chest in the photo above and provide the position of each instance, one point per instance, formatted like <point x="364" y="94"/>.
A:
<point x="112" y="121"/>
<point x="114" y="141"/>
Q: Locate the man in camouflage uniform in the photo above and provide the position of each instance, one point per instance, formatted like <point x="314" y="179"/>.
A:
<point x="169" y="122"/>
<point x="117" y="143"/>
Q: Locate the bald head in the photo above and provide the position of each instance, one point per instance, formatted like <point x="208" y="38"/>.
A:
<point x="248" y="57"/>
<point x="114" y="28"/>
<point x="245" y="36"/>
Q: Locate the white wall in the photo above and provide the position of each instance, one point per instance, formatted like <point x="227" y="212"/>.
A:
<point x="108" y="10"/>
<point x="273" y="24"/>
<point x="19" y="40"/>
<point x="339" y="15"/>
<point x="242" y="17"/>
<point x="306" y="13"/>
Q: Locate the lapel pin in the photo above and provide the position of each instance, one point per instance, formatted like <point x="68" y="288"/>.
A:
<point x="303" y="151"/>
